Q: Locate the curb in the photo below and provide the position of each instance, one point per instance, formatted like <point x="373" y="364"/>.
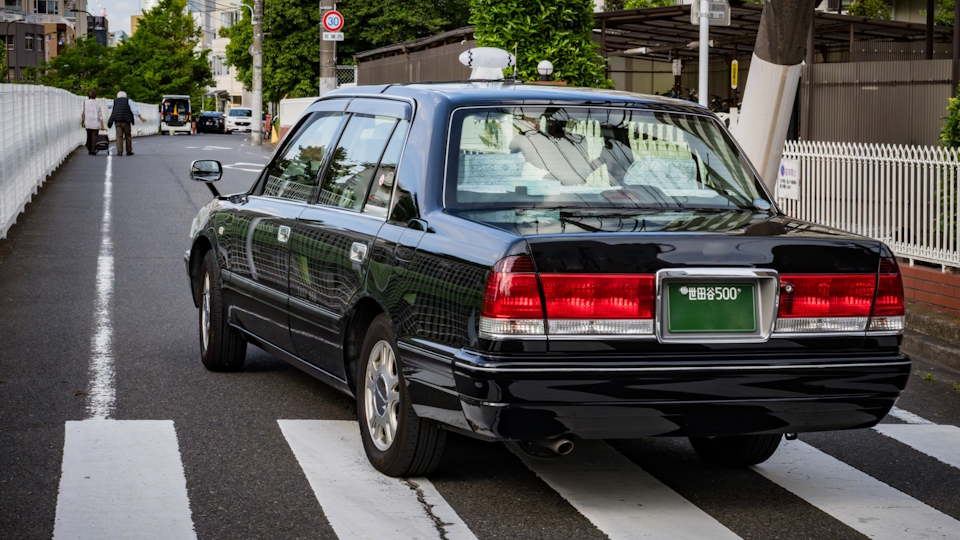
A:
<point x="931" y="350"/>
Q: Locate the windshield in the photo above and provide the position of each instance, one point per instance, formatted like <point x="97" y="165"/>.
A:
<point x="553" y="157"/>
<point x="241" y="112"/>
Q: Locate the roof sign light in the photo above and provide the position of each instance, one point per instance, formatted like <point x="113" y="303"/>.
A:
<point x="487" y="63"/>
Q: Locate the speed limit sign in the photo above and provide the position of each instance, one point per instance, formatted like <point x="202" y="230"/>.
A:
<point x="333" y="21"/>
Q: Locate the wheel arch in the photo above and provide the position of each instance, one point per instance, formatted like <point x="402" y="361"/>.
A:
<point x="357" y="322"/>
<point x="197" y="252"/>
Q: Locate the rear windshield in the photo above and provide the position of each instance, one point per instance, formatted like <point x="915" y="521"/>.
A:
<point x="176" y="106"/>
<point x="241" y="112"/>
<point x="552" y="157"/>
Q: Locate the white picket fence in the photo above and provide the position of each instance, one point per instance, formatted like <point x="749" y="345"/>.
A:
<point x="39" y="127"/>
<point x="903" y="196"/>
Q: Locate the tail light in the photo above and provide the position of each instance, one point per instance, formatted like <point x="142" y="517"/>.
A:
<point x="571" y="304"/>
<point x="842" y="303"/>
<point x="599" y="303"/>
<point x="511" y="305"/>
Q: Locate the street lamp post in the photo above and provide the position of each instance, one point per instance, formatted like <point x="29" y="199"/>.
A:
<point x="256" y="51"/>
<point x="545" y="69"/>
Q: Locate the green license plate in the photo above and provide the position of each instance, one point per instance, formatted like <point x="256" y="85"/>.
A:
<point x="711" y="307"/>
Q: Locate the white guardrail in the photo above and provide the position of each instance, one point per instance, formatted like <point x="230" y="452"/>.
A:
<point x="903" y="196"/>
<point x="39" y="128"/>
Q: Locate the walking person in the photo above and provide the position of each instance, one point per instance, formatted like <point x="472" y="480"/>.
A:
<point x="123" y="115"/>
<point x="92" y="121"/>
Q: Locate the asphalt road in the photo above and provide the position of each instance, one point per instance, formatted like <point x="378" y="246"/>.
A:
<point x="242" y="455"/>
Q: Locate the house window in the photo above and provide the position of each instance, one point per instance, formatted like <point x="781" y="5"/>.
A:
<point x="60" y="37"/>
<point x="28" y="42"/>
<point x="229" y="18"/>
<point x="51" y="7"/>
<point x="11" y="43"/>
<point x="15" y="5"/>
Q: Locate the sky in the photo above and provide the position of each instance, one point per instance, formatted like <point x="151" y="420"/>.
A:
<point x="118" y="12"/>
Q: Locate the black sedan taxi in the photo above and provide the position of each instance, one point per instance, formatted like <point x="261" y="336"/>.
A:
<point x="210" y="122"/>
<point x="541" y="265"/>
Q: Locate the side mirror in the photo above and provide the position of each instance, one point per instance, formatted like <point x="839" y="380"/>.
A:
<point x="206" y="170"/>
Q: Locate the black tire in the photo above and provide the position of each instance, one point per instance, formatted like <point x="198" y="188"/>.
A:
<point x="736" y="451"/>
<point x="418" y="444"/>
<point x="225" y="349"/>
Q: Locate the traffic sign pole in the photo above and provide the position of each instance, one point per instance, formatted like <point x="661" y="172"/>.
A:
<point x="704" y="50"/>
<point x="328" y="48"/>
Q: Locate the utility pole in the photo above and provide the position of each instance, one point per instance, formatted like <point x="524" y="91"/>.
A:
<point x="255" y="132"/>
<point x="704" y="91"/>
<point x="328" y="54"/>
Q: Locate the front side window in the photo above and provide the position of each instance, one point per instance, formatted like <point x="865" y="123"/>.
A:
<point x="355" y="160"/>
<point x="296" y="174"/>
<point x="554" y="157"/>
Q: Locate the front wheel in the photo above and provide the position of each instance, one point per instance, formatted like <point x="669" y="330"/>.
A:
<point x="397" y="442"/>
<point x="222" y="348"/>
<point x="736" y="451"/>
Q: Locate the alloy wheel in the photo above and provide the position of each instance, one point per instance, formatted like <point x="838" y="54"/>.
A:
<point x="205" y="314"/>
<point x="382" y="395"/>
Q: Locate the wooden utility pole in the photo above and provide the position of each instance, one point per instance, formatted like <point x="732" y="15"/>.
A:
<point x="256" y="134"/>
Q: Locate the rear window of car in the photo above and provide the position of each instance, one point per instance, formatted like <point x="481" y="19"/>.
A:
<point x="557" y="157"/>
<point x="241" y="112"/>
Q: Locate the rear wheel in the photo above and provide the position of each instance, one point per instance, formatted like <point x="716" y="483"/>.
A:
<point x="736" y="451"/>
<point x="222" y="348"/>
<point x="396" y="440"/>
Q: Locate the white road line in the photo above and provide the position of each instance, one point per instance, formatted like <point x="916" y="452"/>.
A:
<point x="359" y="502"/>
<point x="908" y="416"/>
<point x="101" y="393"/>
<point x="860" y="501"/>
<point x="936" y="441"/>
<point x="122" y="479"/>
<point x="621" y="499"/>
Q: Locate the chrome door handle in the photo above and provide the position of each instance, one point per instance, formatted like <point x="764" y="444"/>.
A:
<point x="283" y="234"/>
<point x="358" y="252"/>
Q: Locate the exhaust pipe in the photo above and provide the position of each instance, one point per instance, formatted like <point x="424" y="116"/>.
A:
<point x="560" y="446"/>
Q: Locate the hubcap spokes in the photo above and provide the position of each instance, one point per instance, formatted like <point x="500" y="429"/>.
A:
<point x="205" y="314"/>
<point x="382" y="395"/>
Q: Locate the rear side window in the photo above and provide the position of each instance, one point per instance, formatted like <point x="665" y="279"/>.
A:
<point x="382" y="187"/>
<point x="355" y="160"/>
<point x="296" y="174"/>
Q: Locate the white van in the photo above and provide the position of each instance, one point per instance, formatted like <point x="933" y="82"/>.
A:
<point x="239" y="119"/>
<point x="175" y="114"/>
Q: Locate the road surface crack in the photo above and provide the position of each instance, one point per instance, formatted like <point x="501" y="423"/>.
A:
<point x="438" y="523"/>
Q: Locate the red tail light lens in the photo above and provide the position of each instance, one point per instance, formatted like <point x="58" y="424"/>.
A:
<point x="598" y="296"/>
<point x="512" y="291"/>
<point x="889" y="290"/>
<point x="819" y="295"/>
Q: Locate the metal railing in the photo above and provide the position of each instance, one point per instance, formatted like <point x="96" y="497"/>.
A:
<point x="903" y="196"/>
<point x="346" y="76"/>
<point x="40" y="127"/>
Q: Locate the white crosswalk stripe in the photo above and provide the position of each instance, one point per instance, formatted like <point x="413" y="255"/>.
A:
<point x="862" y="502"/>
<point x="122" y="479"/>
<point x="940" y="442"/>
<point x="359" y="502"/>
<point x="621" y="499"/>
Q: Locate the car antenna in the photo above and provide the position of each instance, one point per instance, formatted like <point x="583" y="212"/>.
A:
<point x="515" y="45"/>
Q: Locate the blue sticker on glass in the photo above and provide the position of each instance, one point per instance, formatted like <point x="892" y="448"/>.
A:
<point x="761" y="204"/>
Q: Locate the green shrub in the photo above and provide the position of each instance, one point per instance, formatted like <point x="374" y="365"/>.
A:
<point x="556" y="30"/>
<point x="950" y="133"/>
<point x="875" y="9"/>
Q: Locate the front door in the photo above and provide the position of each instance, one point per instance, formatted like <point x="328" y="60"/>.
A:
<point x="332" y="240"/>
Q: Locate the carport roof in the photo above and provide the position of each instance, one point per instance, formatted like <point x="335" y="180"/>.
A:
<point x="667" y="29"/>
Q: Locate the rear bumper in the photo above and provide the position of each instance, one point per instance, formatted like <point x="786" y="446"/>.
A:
<point x="632" y="399"/>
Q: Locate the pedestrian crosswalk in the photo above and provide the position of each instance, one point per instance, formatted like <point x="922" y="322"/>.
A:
<point x="125" y="479"/>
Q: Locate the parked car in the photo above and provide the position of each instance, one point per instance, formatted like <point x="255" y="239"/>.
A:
<point x="210" y="122"/>
<point x="239" y="119"/>
<point x="542" y="265"/>
<point x="175" y="115"/>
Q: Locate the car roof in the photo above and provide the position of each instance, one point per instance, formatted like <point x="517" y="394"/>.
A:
<point x="508" y="93"/>
<point x="210" y="112"/>
<point x="175" y="96"/>
<point x="241" y="108"/>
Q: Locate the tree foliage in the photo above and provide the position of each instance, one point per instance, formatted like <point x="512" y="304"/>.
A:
<point x="943" y="13"/>
<point x="158" y="59"/>
<point x="83" y="66"/>
<point x="556" y="30"/>
<point x="950" y="133"/>
<point x="875" y="9"/>
<point x="372" y="24"/>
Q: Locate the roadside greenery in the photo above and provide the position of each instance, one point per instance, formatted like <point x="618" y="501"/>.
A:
<point x="942" y="14"/>
<point x="291" y="48"/>
<point x="158" y="59"/>
<point x="556" y="30"/>
<point x="875" y="9"/>
<point x="950" y="133"/>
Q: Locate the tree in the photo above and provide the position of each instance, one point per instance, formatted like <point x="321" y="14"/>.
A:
<point x="81" y="67"/>
<point x="556" y="30"/>
<point x="291" y="50"/>
<point x="875" y="9"/>
<point x="160" y="58"/>
<point x="950" y="133"/>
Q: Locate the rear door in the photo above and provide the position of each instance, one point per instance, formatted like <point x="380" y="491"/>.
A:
<point x="260" y="231"/>
<point x="333" y="238"/>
